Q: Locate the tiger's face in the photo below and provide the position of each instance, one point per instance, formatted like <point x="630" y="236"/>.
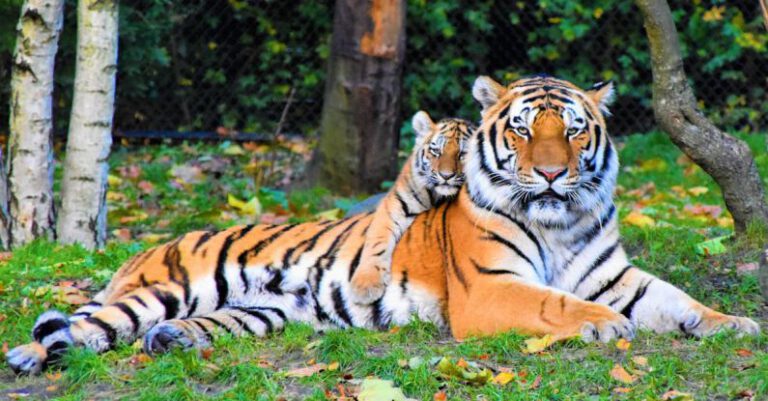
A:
<point x="542" y="149"/>
<point x="439" y="152"/>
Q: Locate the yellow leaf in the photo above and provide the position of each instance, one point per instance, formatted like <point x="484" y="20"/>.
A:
<point x="714" y="14"/>
<point x="538" y="344"/>
<point x="234" y="150"/>
<point x="333" y="366"/>
<point x="620" y="374"/>
<point x="114" y="180"/>
<point x="638" y="219"/>
<point x="655" y="164"/>
<point x="503" y="378"/>
<point x="696" y="191"/>
<point x="598" y="13"/>
<point x="115" y="196"/>
<point x="332" y="214"/>
<point x="252" y="207"/>
<point x="623" y="344"/>
<point x="622" y="390"/>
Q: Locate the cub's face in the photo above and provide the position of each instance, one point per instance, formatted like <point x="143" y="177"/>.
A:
<point x="439" y="152"/>
<point x="543" y="149"/>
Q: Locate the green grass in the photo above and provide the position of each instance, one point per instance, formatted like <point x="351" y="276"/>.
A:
<point x="255" y="369"/>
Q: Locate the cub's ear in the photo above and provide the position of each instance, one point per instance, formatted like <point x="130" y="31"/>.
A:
<point x="602" y="93"/>
<point x="423" y="125"/>
<point x="487" y="91"/>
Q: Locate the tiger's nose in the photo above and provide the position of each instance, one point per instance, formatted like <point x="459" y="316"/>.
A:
<point x="447" y="175"/>
<point x="550" y="174"/>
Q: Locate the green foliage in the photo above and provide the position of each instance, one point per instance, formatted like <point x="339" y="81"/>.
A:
<point x="204" y="64"/>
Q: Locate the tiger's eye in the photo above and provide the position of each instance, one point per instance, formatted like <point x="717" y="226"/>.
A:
<point x="522" y="131"/>
<point x="572" y="131"/>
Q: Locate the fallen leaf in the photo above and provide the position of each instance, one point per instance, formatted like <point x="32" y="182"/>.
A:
<point x="640" y="360"/>
<point x="415" y="362"/>
<point x="697" y="191"/>
<point x="252" y="207"/>
<point x="153" y="238"/>
<point x="332" y="214"/>
<point x="187" y="174"/>
<point x="51" y="388"/>
<point x="333" y="366"/>
<point x="711" y="211"/>
<point x="440" y="396"/>
<point x="307" y="371"/>
<point x="4" y="348"/>
<point x="712" y="246"/>
<point x="64" y="294"/>
<point x="536" y="383"/>
<point x="743" y="352"/>
<point x="470" y="373"/>
<point x="747" y="267"/>
<point x="746" y="395"/>
<point x="503" y="378"/>
<point x="234" y="150"/>
<point x="619" y="373"/>
<point x="623" y="344"/>
<point x="5" y="256"/>
<point x="638" y="219"/>
<point x="141" y="359"/>
<point x="53" y="376"/>
<point x="654" y="164"/>
<point x="206" y="353"/>
<point x="622" y="390"/>
<point x="16" y="396"/>
<point x="394" y="330"/>
<point x="674" y="395"/>
<point x="113" y="180"/>
<point x="380" y="390"/>
<point x="146" y="187"/>
<point x="538" y="344"/>
<point x="122" y="234"/>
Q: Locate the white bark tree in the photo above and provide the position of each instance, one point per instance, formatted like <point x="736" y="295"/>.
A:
<point x="5" y="219"/>
<point x="83" y="215"/>
<point x="30" y="166"/>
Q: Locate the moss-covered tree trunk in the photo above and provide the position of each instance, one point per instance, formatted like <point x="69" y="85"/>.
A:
<point x="30" y="164"/>
<point x="361" y="107"/>
<point x="83" y="215"/>
<point x="726" y="159"/>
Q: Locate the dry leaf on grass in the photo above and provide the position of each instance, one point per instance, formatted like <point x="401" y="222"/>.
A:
<point x="307" y="370"/>
<point x="674" y="395"/>
<point x="619" y="373"/>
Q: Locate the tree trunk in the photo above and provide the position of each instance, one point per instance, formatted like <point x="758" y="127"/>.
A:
<point x="83" y="216"/>
<point x="5" y="219"/>
<point x="726" y="159"/>
<point x="30" y="166"/>
<point x="361" y="109"/>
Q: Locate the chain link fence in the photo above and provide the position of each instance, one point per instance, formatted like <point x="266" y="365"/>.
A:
<point x="231" y="65"/>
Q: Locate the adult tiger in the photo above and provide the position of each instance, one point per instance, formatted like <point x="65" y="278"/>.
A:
<point x="530" y="243"/>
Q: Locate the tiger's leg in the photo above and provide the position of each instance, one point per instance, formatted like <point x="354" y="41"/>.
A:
<point x="198" y="331"/>
<point x="494" y="305"/>
<point x="125" y="319"/>
<point x="654" y="304"/>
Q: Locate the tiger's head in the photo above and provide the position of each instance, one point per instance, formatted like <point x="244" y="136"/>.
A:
<point x="542" y="150"/>
<point x="439" y="152"/>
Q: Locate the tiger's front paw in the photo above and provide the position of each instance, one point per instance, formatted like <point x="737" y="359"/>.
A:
<point x="27" y="359"/>
<point x="710" y="322"/>
<point x="607" y="326"/>
<point x="368" y="283"/>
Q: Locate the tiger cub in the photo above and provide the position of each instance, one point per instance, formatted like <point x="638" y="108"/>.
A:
<point x="432" y="173"/>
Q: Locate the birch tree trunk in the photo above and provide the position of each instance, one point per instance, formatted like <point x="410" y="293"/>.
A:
<point x="5" y="219"/>
<point x="83" y="216"/>
<point x="30" y="166"/>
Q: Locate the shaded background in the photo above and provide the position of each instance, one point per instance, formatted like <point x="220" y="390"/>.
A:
<point x="221" y="65"/>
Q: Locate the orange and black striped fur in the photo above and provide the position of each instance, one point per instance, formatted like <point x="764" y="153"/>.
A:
<point x="531" y="243"/>
<point x="432" y="174"/>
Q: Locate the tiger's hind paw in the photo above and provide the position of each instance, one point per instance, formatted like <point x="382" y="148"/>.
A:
<point x="712" y="322"/>
<point x="167" y="335"/>
<point x="368" y="284"/>
<point x="27" y="359"/>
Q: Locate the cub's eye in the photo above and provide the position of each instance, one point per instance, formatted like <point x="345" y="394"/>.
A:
<point x="434" y="152"/>
<point x="522" y="131"/>
<point x="572" y="131"/>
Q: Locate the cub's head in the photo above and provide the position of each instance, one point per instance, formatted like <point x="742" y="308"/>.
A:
<point x="439" y="152"/>
<point x="542" y="149"/>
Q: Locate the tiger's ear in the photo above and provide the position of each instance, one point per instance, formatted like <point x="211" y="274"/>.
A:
<point x="423" y="125"/>
<point x="487" y="91"/>
<point x="602" y="93"/>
